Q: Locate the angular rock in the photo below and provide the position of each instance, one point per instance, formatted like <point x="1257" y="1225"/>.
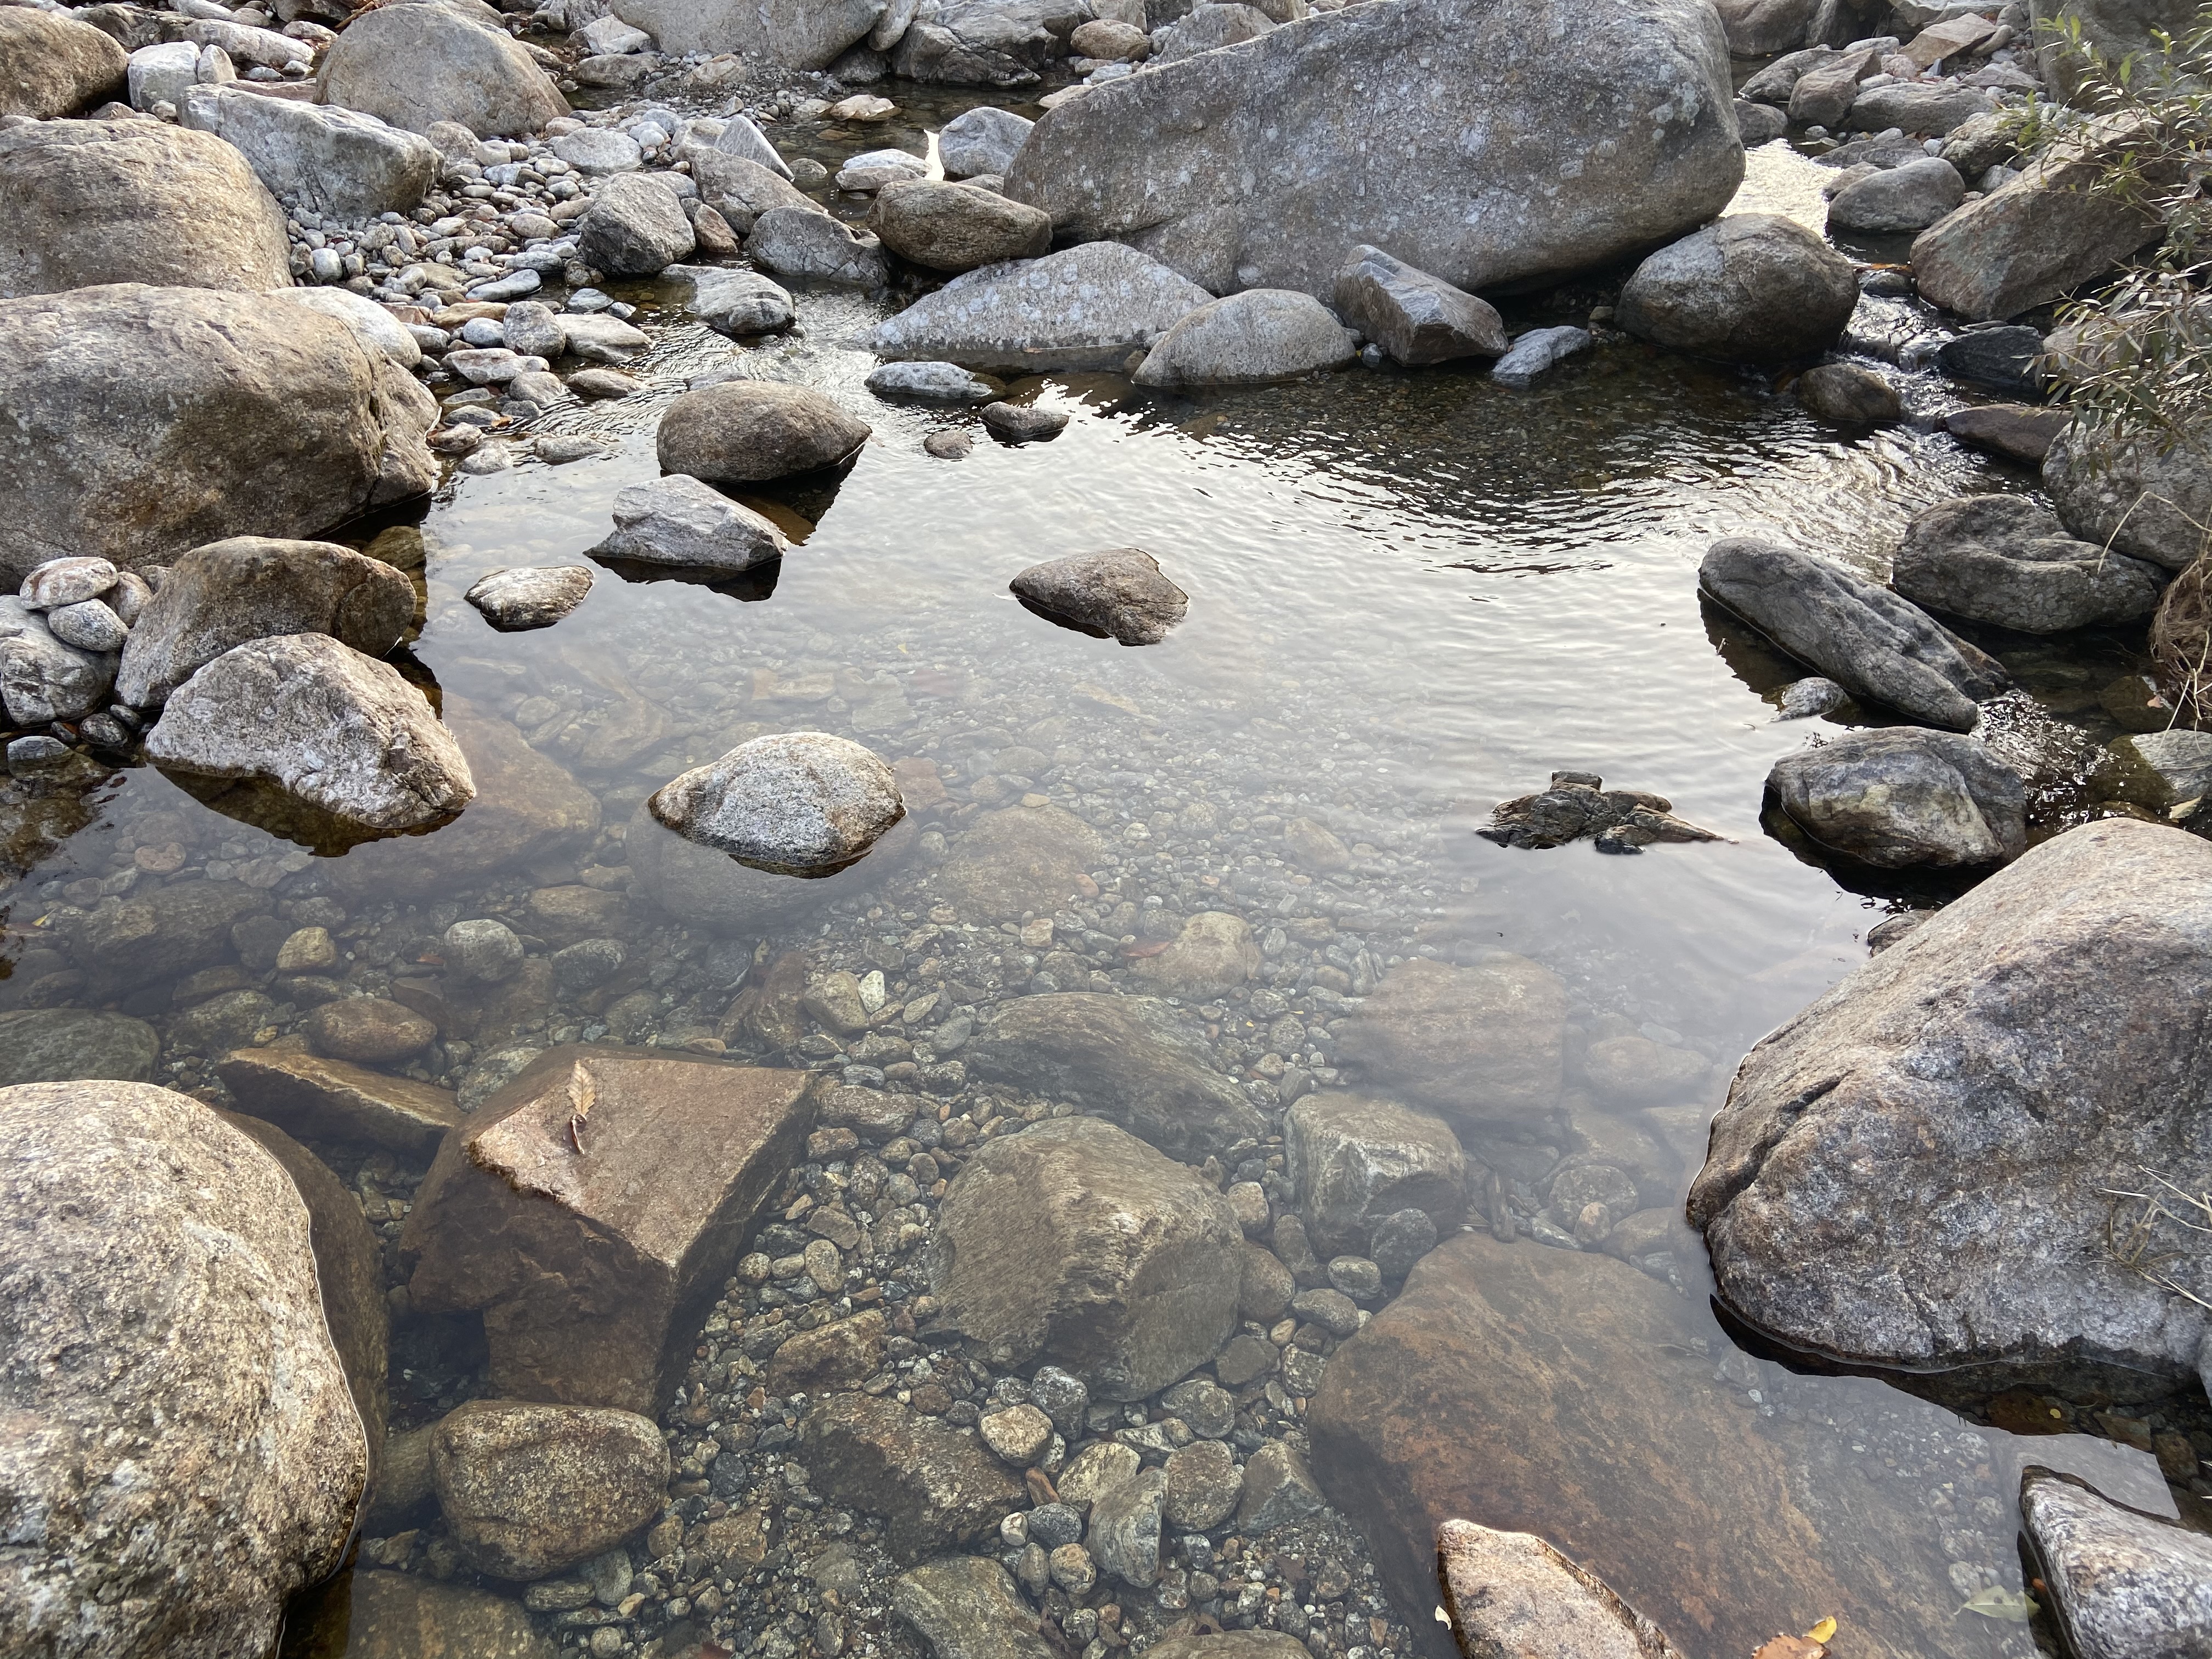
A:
<point x="1902" y="796"/>
<point x="2125" y="1585"/>
<point x="414" y="65"/>
<point x="1261" y="166"/>
<point x="956" y="227"/>
<point x="1909" y="197"/>
<point x="635" y="227"/>
<point x="532" y="597"/>
<point x="800" y="34"/>
<point x="2131" y="497"/>
<point x="2003" y="358"/>
<point x="1230" y="1644"/>
<point x="1250" y="339"/>
<point x="1124" y="1534"/>
<point x="749" y="431"/>
<point x="1758" y="29"/>
<point x="1537" y="350"/>
<point x="1874" y="644"/>
<point x="1755" y="288"/>
<point x="1414" y="317"/>
<point x="321" y="722"/>
<point x="982" y="141"/>
<point x="1075" y="1244"/>
<point x="985" y="43"/>
<point x="53" y="64"/>
<point x="1213" y="955"/>
<point x="737" y="303"/>
<point x="180" y="1421"/>
<point x="1133" y="1059"/>
<point x="2004" y="559"/>
<point x="62" y="1045"/>
<point x="741" y="189"/>
<point x="1481" y="1045"/>
<point x="966" y="1607"/>
<point x="1920" y="109"/>
<point x="605" y="1258"/>
<point x="937" y="1487"/>
<point x="1279" y="1489"/>
<point x="1355" y="1160"/>
<point x="1120" y="593"/>
<point x="1962" y="1228"/>
<point x="87" y="202"/>
<point x="842" y="1354"/>
<point x="529" y="1489"/>
<point x="1823" y="94"/>
<point x="334" y="162"/>
<point x="681" y="523"/>
<point x="811" y="245"/>
<point x="330" y="1103"/>
<point x="1511" y="1593"/>
<point x="798" y="803"/>
<point x="1019" y="860"/>
<point x="1085" y="307"/>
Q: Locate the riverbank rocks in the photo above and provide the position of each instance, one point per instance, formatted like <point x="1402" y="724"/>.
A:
<point x="249" y="587"/>
<point x="85" y="203"/>
<point x="1909" y="198"/>
<point x="414" y="65"/>
<point x="966" y="1607"/>
<point x="183" y="1454"/>
<point x="145" y="421"/>
<point x="337" y="729"/>
<point x="591" y="1267"/>
<point x="2129" y="497"/>
<point x="1512" y="1592"/>
<point x="1087" y="306"/>
<point x="737" y="303"/>
<point x="1263" y="166"/>
<point x="684" y="525"/>
<point x="1075" y="1245"/>
<point x="634" y="227"/>
<point x="329" y="1103"/>
<point x="982" y="141"/>
<point x="1902" y="796"/>
<point x="1250" y="338"/>
<point x="797" y="34"/>
<point x="937" y="1487"/>
<point x="1133" y="1059"/>
<point x="807" y="244"/>
<point x="1481" y="1045"/>
<point x="796" y="803"/>
<point x="1756" y="288"/>
<point x="1356" y="1160"/>
<point x="1118" y="594"/>
<point x="336" y="162"/>
<point x="2006" y="559"/>
<point x="1019" y="860"/>
<point x="60" y="1045"/>
<point x="1415" y="318"/>
<point x="534" y="596"/>
<point x="53" y="64"/>
<point x="1876" y="645"/>
<point x="529" y="1489"/>
<point x="956" y="227"/>
<point x="2019" y="432"/>
<point x="2123" y="1584"/>
<point x="1995" y="1073"/>
<point x="751" y="431"/>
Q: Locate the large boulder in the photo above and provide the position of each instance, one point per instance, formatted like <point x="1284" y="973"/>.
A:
<point x="1414" y="317"/>
<point x="1134" y="1060"/>
<point x="145" y="421"/>
<point x="1901" y="795"/>
<point x="44" y="678"/>
<point x="1919" y="1169"/>
<point x="1208" y="26"/>
<point x="801" y="34"/>
<point x="987" y="43"/>
<point x="1873" y="643"/>
<point x="1250" y="339"/>
<point x="982" y="141"/>
<point x="2008" y="560"/>
<point x="956" y="227"/>
<point x="182" y="1455"/>
<point x="60" y="1045"/>
<point x="741" y="189"/>
<point x="414" y="65"/>
<point x="1756" y="287"/>
<point x="84" y="202"/>
<point x="1263" y="166"/>
<point x="806" y="242"/>
<point x="52" y="65"/>
<point x="1482" y="1045"/>
<point x="2116" y="28"/>
<point x="593" y="1208"/>
<point x="801" y="803"/>
<point x="529" y="1489"/>
<point x="2123" y="1584"/>
<point x="338" y="729"/>
<point x="1018" y="861"/>
<point x="2133" y="495"/>
<point x="634" y="227"/>
<point x="335" y="162"/>
<point x="1918" y="108"/>
<point x="253" y="588"/>
<point x="938" y="1487"/>
<point x="1893" y="199"/>
<point x="1355" y="1160"/>
<point x="1075" y="1245"/>
<point x="751" y="431"/>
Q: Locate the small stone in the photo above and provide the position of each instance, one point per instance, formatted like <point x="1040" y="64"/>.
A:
<point x="1331" y="1309"/>
<point x="1278" y="1490"/>
<point x="1209" y="1412"/>
<point x="1072" y="1570"/>
<point x="1019" y="1435"/>
<point x="1357" y="1277"/>
<point x="308" y="951"/>
<point x="485" y="951"/>
<point x="1402" y="1238"/>
<point x="1023" y="424"/>
<point x="513" y="600"/>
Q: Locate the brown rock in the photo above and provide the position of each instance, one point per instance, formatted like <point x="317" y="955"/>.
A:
<point x="604" y="1258"/>
<point x="52" y="65"/>
<point x="529" y="1489"/>
<point x="1265" y="1286"/>
<point x="937" y="1486"/>
<point x="1017" y="860"/>
<point x="748" y="431"/>
<point x="2019" y="432"/>
<point x="407" y="1615"/>
<point x="562" y="916"/>
<point x="328" y="1102"/>
<point x="373" y="1030"/>
<point x="842" y="1354"/>
<point x="1481" y="1045"/>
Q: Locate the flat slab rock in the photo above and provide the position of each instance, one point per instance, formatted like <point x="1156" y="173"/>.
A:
<point x="330" y="1103"/>
<point x="2126" y="1585"/>
<point x="1510" y="1593"/>
<point x="1118" y="594"/>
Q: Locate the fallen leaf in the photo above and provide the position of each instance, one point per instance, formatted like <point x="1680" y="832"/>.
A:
<point x="1791" y="1647"/>
<point x="1823" y="1631"/>
<point x="2013" y="1607"/>
<point x="583" y="1094"/>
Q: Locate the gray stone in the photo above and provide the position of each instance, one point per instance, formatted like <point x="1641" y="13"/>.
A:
<point x="1979" y="1184"/>
<point x="1279" y="1489"/>
<point x="61" y="1045"/>
<point x="2158" y="770"/>
<point x="802" y="34"/>
<point x="372" y="325"/>
<point x="1213" y="954"/>
<point x="737" y="303"/>
<point x="1037" y="1255"/>
<point x="1125" y="1529"/>
<point x="1095" y="1470"/>
<point x="1481" y="1045"/>
<point x="1208" y="1410"/>
<point x="956" y="227"/>
<point x="406" y="1615"/>
<point x="809" y="243"/>
<point x="1755" y="288"/>
<point x="1760" y="28"/>
<point x="1085" y="307"/>
<point x="1539" y="349"/>
<point x="485" y="951"/>
<point x="635" y="227"/>
<point x="741" y="189"/>
<point x="936" y="1487"/>
<point x="739" y="137"/>
<point x="53" y="64"/>
<point x="1250" y="339"/>
<point x="986" y="43"/>
<point x="2125" y="1585"/>
<point x="1024" y="423"/>
<point x="751" y="431"/>
<point x="2003" y="358"/>
<point x="531" y="596"/>
<point x="1760" y="123"/>
<point x="1512" y="1592"/>
<point x="982" y="141"/>
<point x="597" y="152"/>
<point x="1920" y="108"/>
<point x="931" y="383"/>
<point x="1903" y="796"/>
<point x="1208" y="26"/>
<point x="1120" y="593"/>
<point x="43" y="679"/>
<point x="681" y="523"/>
<point x="163" y="934"/>
<point x="1018" y="861"/>
<point x="414" y="65"/>
<point x="335" y="162"/>
<point x="1355" y="1160"/>
<point x="529" y="1489"/>
<point x="2127" y="496"/>
<point x="1909" y="197"/>
<point x="1261" y="167"/>
<point x="966" y="1607"/>
<point x="1401" y="1239"/>
<point x="1414" y="317"/>
<point x="794" y="802"/>
<point x="2005" y="559"/>
<point x="1845" y="395"/>
<point x="1877" y="646"/>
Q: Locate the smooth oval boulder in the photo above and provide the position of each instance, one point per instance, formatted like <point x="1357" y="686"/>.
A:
<point x="709" y="889"/>
<point x="1756" y="287"/>
<point x="1075" y="1245"/>
<point x="1250" y="339"/>
<point x="85" y="202"/>
<point x="1415" y="318"/>
<point x="529" y="1489"/>
<point x="2006" y="559"/>
<point x="1120" y="594"/>
<point x="53" y="64"/>
<point x="1909" y="197"/>
<point x="798" y="803"/>
<point x="635" y="227"/>
<point x="60" y="1045"/>
<point x="180" y="1421"/>
<point x="1903" y="796"/>
<point x="1918" y="1169"/>
<point x="145" y="421"/>
<point x="751" y="431"/>
<point x="412" y="66"/>
<point x="956" y="227"/>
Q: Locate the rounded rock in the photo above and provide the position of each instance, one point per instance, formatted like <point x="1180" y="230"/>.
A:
<point x="1754" y="288"/>
<point x="749" y="431"/>
<point x="485" y="949"/>
<point x="796" y="802"/>
<point x="369" y="1030"/>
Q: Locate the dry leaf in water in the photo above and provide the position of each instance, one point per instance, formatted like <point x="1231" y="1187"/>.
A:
<point x="583" y="1094"/>
<point x="1791" y="1647"/>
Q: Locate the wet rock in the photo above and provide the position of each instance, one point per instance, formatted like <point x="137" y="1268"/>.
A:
<point x="2158" y="770"/>
<point x="605" y="1255"/>
<point x="1577" y="805"/>
<point x="1901" y="796"/>
<point x="164" y="935"/>
<point x="1133" y="1060"/>
<point x="367" y="1030"/>
<point x="2129" y="497"/>
<point x="411" y="66"/>
<point x="966" y="1607"/>
<point x="1481" y="1045"/>
<point x="1264" y="1289"/>
<point x="248" y="416"/>
<point x="1124" y="1530"/>
<point x="1539" y="349"/>
<point x="406" y="1615"/>
<point x="1356" y="1160"/>
<point x="180" y="1421"/>
<point x="1230" y="1644"/>
<point x="810" y="244"/>
<point x="1755" y="288"/>
<point x="1512" y="1592"/>
<point x="60" y="1045"/>
<point x="741" y="190"/>
<point x="529" y="1489"/>
<point x="795" y="802"/>
<point x="1877" y="646"/>
<point x="337" y="729"/>
<point x="1909" y="197"/>
<point x="251" y="587"/>
<point x="739" y="303"/>
<point x="513" y="600"/>
<point x="1087" y="306"/>
<point x="1019" y="860"/>
<point x="1213" y="954"/>
<point x="981" y="141"/>
<point x="1120" y="593"/>
<point x="679" y="522"/>
<point x="85" y="202"/>
<point x="1034" y="1258"/>
<point x="1279" y="1489"/>
<point x="1258" y="168"/>
<point x="1414" y="317"/>
<point x="931" y="383"/>
<point x="709" y="889"/>
<point x="52" y="65"/>
<point x="749" y="431"/>
<point x="1250" y="339"/>
<point x="936" y="1487"/>
<point x="2124" y="1582"/>
<point x="956" y="227"/>
<point x="1023" y="424"/>
<point x="1845" y="395"/>
<point x="2017" y="431"/>
<point x="1634" y="1071"/>
<point x="1097" y="1469"/>
<point x="635" y="227"/>
<point x="1203" y="1484"/>
<point x="1915" y="1061"/>
<point x="2005" y="559"/>
<point x="1018" y="1435"/>
<point x="335" y="162"/>
<point x="2003" y="358"/>
<point x="330" y="1103"/>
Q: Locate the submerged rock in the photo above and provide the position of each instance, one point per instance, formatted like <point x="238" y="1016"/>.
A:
<point x="59" y="1045"/>
<point x="2004" y="559"/>
<point x="1901" y="796"/>
<point x="679" y="522"/>
<point x="329" y="1103"/>
<point x="1018" y="861"/>
<point x="513" y="600"/>
<point x="2125" y="1584"/>
<point x="794" y="802"/>
<point x="1356" y="1161"/>
<point x="936" y="1487"/>
<point x="529" y="1489"/>
<point x="749" y="431"/>
<point x="966" y="1607"/>
<point x="1512" y="1592"/>
<point x="410" y="1615"/>
<point x="1248" y="338"/>
<point x="1995" y="1076"/>
<point x="1213" y="955"/>
<point x="1414" y="317"/>
<point x="1845" y="395"/>
<point x="1756" y="287"/>
<point x="1120" y="593"/>
<point x="737" y="303"/>
<point x="1539" y="349"/>
<point x="1481" y="1045"/>
<point x="704" y="888"/>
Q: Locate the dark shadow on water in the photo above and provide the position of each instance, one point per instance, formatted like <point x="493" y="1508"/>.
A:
<point x="1059" y="621"/>
<point x="265" y="806"/>
<point x="750" y="587"/>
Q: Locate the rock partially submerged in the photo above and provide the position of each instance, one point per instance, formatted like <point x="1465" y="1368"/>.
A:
<point x="1512" y="1592"/>
<point x="513" y="600"/>
<point x="1118" y="594"/>
<point x="1756" y="287"/>
<point x="737" y="303"/>
<point x="1902" y="796"/>
<point x="2125" y="1585"/>
<point x="683" y="524"/>
<point x="1086" y="307"/>
<point x="1578" y="805"/>
<point x="795" y="803"/>
<point x="1248" y="338"/>
<point x="2005" y="559"/>
<point x="749" y="431"/>
<point x="1414" y="317"/>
